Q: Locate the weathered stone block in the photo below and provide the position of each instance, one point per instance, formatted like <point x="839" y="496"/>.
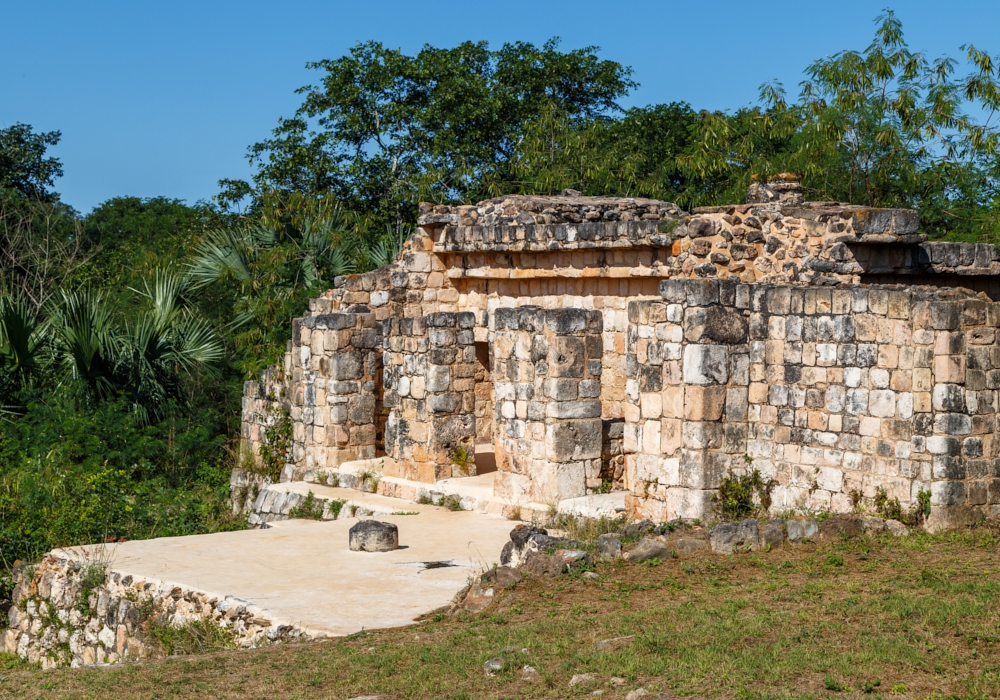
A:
<point x="373" y="536"/>
<point x="727" y="538"/>
<point x="706" y="364"/>
<point x="570" y="441"/>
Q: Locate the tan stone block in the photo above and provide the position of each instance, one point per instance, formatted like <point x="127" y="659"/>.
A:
<point x="865" y="328"/>
<point x="949" y="369"/>
<point x="768" y="415"/>
<point x="817" y="420"/>
<point x="774" y="352"/>
<point x="672" y="374"/>
<point x="901" y="381"/>
<point x="871" y="427"/>
<point x="673" y="402"/>
<point x="758" y="392"/>
<point x="813" y="375"/>
<point x="651" y="437"/>
<point x="922" y="402"/>
<point x="670" y="435"/>
<point x="809" y="354"/>
<point x="447" y="296"/>
<point x="631" y="413"/>
<point x="651" y="405"/>
<point x="704" y="403"/>
<point x="888" y="356"/>
<point x="922" y="380"/>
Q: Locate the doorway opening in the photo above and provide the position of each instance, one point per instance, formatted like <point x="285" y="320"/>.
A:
<point x="485" y="405"/>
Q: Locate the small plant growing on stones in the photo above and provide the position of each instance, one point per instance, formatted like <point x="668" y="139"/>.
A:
<point x="452" y="502"/>
<point x="368" y="481"/>
<point x="277" y="442"/>
<point x="744" y="495"/>
<point x="856" y="498"/>
<point x="888" y="508"/>
<point x="311" y="508"/>
<point x="424" y="498"/>
<point x="923" y="507"/>
<point x="460" y="458"/>
<point x="93" y="576"/>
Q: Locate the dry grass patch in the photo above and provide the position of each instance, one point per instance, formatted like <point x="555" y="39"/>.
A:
<point x="910" y="618"/>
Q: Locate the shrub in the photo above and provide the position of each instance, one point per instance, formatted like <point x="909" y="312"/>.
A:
<point x="197" y="637"/>
<point x="744" y="495"/>
<point x="311" y="508"/>
<point x="888" y="508"/>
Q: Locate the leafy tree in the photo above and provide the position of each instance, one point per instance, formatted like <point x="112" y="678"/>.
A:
<point x="129" y="238"/>
<point x="269" y="274"/>
<point x="883" y="127"/>
<point x="384" y="129"/>
<point x="24" y="168"/>
<point x="632" y="156"/>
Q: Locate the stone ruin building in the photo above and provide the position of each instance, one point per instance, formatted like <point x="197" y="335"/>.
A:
<point x="576" y="345"/>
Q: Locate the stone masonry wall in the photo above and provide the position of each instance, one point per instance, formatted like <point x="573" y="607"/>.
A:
<point x="263" y="400"/>
<point x="547" y="379"/>
<point x="334" y="376"/>
<point x="430" y="393"/>
<point x="63" y="614"/>
<point x="831" y="392"/>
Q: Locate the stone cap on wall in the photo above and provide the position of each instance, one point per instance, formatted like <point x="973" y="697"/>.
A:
<point x="519" y="223"/>
<point x="568" y="208"/>
<point x="867" y="224"/>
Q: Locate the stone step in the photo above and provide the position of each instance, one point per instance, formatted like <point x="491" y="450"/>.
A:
<point x="359" y="480"/>
<point x="276" y="501"/>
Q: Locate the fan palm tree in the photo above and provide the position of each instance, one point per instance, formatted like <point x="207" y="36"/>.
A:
<point x="166" y="341"/>
<point x="85" y="340"/>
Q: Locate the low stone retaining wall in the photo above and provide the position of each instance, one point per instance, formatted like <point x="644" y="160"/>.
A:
<point x="73" y="609"/>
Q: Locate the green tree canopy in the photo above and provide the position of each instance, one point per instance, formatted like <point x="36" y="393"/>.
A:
<point x="882" y="127"/>
<point x="24" y="167"/>
<point x="384" y="129"/>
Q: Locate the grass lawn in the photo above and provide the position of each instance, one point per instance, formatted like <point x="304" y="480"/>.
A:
<point x="915" y="617"/>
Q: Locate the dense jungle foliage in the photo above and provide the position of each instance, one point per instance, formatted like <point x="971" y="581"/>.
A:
<point x="126" y="333"/>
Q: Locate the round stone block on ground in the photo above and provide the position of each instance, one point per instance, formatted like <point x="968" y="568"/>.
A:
<point x="373" y="536"/>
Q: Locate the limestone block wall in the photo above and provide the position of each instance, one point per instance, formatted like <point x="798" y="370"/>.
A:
<point x="430" y="394"/>
<point x="58" y="617"/>
<point x="831" y="392"/>
<point x="547" y="380"/>
<point x="688" y="379"/>
<point x="333" y="384"/>
<point x="263" y="400"/>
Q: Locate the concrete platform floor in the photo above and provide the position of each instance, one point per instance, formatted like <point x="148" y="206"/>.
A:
<point x="302" y="572"/>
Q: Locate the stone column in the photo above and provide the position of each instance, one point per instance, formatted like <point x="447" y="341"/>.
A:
<point x="334" y="359"/>
<point x="686" y="425"/>
<point x="547" y="380"/>
<point x="958" y="359"/>
<point x="430" y="394"/>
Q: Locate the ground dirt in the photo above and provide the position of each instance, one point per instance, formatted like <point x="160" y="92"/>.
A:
<point x="915" y="617"/>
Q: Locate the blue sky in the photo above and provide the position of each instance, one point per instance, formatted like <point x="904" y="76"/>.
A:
<point x="163" y="98"/>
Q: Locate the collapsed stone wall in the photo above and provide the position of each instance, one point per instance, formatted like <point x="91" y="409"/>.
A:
<point x="264" y="401"/>
<point x="72" y="609"/>
<point x="599" y="256"/>
<point x="832" y="393"/>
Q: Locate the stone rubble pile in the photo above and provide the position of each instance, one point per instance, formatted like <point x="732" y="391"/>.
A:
<point x="532" y="551"/>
